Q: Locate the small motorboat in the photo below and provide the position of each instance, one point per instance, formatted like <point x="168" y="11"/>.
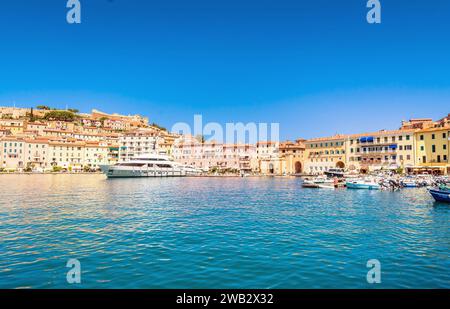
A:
<point x="410" y="184"/>
<point x="318" y="182"/>
<point x="363" y="184"/>
<point x="441" y="194"/>
<point x="327" y="186"/>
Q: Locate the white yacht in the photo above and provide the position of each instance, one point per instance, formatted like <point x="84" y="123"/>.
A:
<point x="149" y="165"/>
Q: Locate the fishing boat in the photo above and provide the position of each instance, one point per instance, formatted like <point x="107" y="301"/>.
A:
<point x="441" y="193"/>
<point x="363" y="184"/>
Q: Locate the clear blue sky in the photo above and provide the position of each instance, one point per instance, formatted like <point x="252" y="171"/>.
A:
<point x="316" y="67"/>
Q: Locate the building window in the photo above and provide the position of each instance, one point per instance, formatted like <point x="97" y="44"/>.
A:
<point x="433" y="148"/>
<point x="421" y="137"/>
<point x="433" y="136"/>
<point x="407" y="137"/>
<point x="424" y="159"/>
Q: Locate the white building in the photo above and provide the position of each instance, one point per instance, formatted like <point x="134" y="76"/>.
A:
<point x="138" y="142"/>
<point x="12" y="152"/>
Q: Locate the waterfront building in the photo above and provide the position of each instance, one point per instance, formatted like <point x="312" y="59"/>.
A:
<point x="393" y="149"/>
<point x="66" y="154"/>
<point x="241" y="157"/>
<point x="96" y="154"/>
<point x="293" y="155"/>
<point x="432" y="150"/>
<point x="321" y="154"/>
<point x="206" y="156"/>
<point x="248" y="162"/>
<point x="215" y="156"/>
<point x="12" y="152"/>
<point x="269" y="160"/>
<point x="113" y="154"/>
<point x="138" y="142"/>
<point x="74" y="154"/>
<point x="44" y="153"/>
<point x="166" y="143"/>
<point x="37" y="153"/>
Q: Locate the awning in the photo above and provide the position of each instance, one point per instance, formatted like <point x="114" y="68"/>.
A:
<point x="368" y="139"/>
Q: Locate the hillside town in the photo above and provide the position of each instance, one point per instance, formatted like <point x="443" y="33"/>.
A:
<point x="43" y="139"/>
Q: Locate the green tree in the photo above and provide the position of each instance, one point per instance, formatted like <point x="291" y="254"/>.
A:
<point x="60" y="116"/>
<point x="43" y="107"/>
<point x="102" y="120"/>
<point x="57" y="169"/>
<point x="158" y="127"/>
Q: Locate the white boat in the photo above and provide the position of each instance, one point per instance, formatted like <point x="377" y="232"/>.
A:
<point x="150" y="165"/>
<point x="335" y="172"/>
<point x="327" y="186"/>
<point x="191" y="170"/>
<point x="409" y="184"/>
<point x="318" y="182"/>
<point x="363" y="184"/>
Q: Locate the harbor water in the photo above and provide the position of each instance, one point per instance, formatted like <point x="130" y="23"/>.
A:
<point x="217" y="233"/>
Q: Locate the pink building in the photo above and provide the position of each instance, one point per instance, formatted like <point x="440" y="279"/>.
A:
<point x="208" y="155"/>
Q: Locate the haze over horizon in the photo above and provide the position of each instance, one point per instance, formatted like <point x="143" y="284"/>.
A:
<point x="317" y="67"/>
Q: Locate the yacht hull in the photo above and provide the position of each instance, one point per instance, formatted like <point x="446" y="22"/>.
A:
<point x="112" y="173"/>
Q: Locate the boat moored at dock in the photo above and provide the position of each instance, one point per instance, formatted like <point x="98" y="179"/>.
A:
<point x="363" y="184"/>
<point x="441" y="193"/>
<point x="149" y="165"/>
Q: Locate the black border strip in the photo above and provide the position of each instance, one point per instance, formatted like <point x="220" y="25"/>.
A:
<point x="280" y="297"/>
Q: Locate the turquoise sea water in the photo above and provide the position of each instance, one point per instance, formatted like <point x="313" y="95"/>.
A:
<point x="216" y="233"/>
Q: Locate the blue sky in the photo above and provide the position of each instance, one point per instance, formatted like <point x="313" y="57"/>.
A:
<point x="316" y="67"/>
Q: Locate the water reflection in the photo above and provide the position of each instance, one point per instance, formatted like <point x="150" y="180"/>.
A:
<point x="224" y="233"/>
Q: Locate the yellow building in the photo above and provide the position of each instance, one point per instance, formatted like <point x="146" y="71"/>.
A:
<point x="385" y="149"/>
<point x="432" y="150"/>
<point x="293" y="155"/>
<point x="16" y="127"/>
<point x="321" y="154"/>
